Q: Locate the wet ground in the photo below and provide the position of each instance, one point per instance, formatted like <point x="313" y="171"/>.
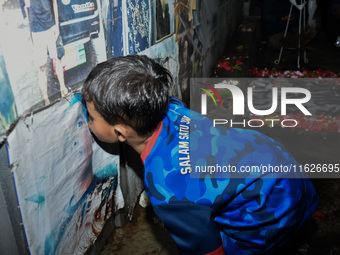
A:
<point x="321" y="235"/>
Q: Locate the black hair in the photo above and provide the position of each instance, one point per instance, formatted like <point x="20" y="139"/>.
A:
<point x="133" y="90"/>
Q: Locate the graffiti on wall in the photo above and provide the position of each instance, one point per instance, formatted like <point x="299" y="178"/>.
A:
<point x="66" y="184"/>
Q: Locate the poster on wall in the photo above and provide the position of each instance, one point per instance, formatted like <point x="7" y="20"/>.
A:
<point x="49" y="47"/>
<point x="113" y="25"/>
<point x="163" y="19"/>
<point x="138" y="24"/>
<point x="185" y="60"/>
<point x="65" y="183"/>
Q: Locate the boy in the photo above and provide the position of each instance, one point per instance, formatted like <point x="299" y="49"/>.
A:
<point x="128" y="100"/>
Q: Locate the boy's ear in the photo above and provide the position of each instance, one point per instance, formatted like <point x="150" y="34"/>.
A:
<point x="121" y="132"/>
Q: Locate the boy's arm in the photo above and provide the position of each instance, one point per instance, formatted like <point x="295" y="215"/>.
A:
<point x="192" y="228"/>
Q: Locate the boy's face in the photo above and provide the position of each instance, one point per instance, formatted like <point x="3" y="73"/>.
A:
<point x="99" y="127"/>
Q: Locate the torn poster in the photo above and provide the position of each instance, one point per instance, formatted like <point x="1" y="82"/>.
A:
<point x="66" y="184"/>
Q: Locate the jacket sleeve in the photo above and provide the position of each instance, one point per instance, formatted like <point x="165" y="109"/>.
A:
<point x="192" y="228"/>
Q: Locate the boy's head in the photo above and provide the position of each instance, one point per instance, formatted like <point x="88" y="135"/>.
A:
<point x="132" y="90"/>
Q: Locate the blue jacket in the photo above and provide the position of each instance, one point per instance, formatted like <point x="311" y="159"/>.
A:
<point x="208" y="209"/>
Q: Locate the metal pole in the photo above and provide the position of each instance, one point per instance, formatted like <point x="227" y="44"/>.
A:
<point x="285" y="34"/>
